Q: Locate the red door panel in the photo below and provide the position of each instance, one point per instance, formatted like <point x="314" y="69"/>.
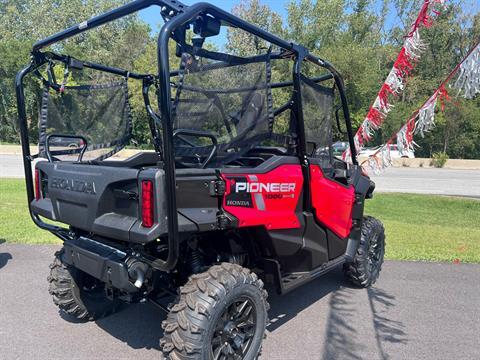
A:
<point x="268" y="199"/>
<point x="332" y="202"/>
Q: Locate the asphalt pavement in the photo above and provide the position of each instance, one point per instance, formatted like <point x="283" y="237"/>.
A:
<point x="415" y="311"/>
<point x="429" y="181"/>
<point x="11" y="166"/>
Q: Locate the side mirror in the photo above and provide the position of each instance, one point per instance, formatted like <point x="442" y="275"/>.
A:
<point x="206" y="26"/>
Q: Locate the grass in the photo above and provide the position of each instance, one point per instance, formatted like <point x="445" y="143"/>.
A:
<point x="430" y="228"/>
<point x="16" y="226"/>
<point x="418" y="227"/>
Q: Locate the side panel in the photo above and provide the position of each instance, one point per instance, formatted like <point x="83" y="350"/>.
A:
<point x="194" y="200"/>
<point x="332" y="202"/>
<point x="268" y="199"/>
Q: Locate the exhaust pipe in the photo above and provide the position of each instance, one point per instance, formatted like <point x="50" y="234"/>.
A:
<point x="140" y="276"/>
<point x="136" y="271"/>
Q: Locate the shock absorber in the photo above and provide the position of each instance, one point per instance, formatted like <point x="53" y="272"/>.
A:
<point x="196" y="261"/>
<point x="237" y="258"/>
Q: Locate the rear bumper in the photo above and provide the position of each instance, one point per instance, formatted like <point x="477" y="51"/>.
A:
<point x="101" y="261"/>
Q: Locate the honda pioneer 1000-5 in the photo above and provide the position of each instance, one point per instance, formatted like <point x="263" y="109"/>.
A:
<point x="242" y="187"/>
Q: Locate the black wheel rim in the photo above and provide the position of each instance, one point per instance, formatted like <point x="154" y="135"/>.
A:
<point x="234" y="330"/>
<point x="374" y="253"/>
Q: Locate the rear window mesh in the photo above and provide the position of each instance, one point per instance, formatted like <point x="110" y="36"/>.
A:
<point x="99" y="112"/>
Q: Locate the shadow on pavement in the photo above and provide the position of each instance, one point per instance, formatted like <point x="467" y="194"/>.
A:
<point x="137" y="325"/>
<point x="386" y="329"/>
<point x="342" y="338"/>
<point x="285" y="307"/>
<point x="4" y="257"/>
<point x="341" y="335"/>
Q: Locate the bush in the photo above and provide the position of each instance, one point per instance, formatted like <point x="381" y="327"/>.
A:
<point x="439" y="159"/>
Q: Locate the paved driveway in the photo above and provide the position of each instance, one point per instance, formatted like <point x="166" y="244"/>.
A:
<point x="415" y="311"/>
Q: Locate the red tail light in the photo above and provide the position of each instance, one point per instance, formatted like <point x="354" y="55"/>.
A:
<point x="38" y="193"/>
<point x="147" y="203"/>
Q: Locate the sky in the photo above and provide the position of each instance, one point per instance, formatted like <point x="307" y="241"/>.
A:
<point x="153" y="18"/>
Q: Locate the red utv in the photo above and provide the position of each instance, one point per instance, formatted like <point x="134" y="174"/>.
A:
<point x="242" y="187"/>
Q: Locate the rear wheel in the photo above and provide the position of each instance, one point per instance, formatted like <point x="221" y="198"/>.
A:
<point x="221" y="314"/>
<point x="365" y="268"/>
<point x="76" y="293"/>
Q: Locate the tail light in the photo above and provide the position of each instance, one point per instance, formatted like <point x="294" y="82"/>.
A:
<point x="38" y="193"/>
<point x="147" y="203"/>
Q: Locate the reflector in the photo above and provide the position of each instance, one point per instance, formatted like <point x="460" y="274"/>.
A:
<point x="37" y="185"/>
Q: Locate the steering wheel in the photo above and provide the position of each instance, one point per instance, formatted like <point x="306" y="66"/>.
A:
<point x="200" y="134"/>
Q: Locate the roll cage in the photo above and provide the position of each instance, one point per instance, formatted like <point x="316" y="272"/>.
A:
<point x="178" y="16"/>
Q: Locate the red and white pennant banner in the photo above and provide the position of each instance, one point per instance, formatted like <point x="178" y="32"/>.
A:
<point x="423" y="120"/>
<point x="395" y="82"/>
<point x="468" y="81"/>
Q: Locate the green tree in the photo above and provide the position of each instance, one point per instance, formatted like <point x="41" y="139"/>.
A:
<point x="446" y="42"/>
<point x="121" y="43"/>
<point x="242" y="43"/>
<point x="360" y="37"/>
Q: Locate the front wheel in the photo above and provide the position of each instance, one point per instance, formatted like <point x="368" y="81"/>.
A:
<point x="221" y="314"/>
<point x="365" y="268"/>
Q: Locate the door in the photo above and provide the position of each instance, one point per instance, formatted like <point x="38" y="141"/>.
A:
<point x="332" y="200"/>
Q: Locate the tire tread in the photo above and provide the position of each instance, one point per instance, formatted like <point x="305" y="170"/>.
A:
<point x="186" y="323"/>
<point x="357" y="271"/>
<point x="61" y="288"/>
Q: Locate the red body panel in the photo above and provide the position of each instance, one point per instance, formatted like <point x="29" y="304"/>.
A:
<point x="332" y="202"/>
<point x="268" y="199"/>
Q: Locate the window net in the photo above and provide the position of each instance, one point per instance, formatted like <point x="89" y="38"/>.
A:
<point x="317" y="102"/>
<point x="231" y="102"/>
<point x="99" y="114"/>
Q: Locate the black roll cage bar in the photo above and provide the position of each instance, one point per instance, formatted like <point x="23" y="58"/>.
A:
<point x="177" y="16"/>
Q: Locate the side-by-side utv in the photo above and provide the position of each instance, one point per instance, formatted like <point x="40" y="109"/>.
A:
<point x="241" y="189"/>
